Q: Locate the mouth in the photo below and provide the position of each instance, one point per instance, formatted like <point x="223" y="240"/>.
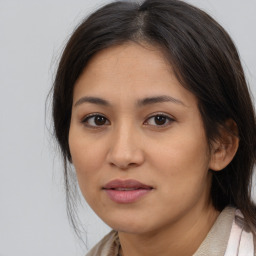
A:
<point x="126" y="191"/>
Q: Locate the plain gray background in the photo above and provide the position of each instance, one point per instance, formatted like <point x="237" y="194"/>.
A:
<point x="33" y="220"/>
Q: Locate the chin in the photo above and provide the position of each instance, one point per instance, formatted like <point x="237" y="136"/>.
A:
<point x="131" y="229"/>
<point x="130" y="225"/>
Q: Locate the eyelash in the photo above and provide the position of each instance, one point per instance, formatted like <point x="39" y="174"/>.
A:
<point x="167" y="118"/>
<point x="91" y="116"/>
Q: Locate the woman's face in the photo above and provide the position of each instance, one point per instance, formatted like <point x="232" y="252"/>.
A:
<point x="137" y="141"/>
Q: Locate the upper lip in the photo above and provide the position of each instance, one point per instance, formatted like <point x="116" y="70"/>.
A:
<point x="113" y="184"/>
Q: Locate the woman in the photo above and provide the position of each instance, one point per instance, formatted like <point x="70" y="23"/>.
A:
<point x="151" y="107"/>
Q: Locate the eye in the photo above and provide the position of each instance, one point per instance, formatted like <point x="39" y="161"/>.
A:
<point x="159" y="120"/>
<point x="95" y="120"/>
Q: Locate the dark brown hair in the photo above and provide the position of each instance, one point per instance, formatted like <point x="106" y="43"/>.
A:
<point x="206" y="63"/>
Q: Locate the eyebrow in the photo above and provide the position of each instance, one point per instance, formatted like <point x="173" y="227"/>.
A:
<point x="158" y="99"/>
<point x="140" y="103"/>
<point x="93" y="100"/>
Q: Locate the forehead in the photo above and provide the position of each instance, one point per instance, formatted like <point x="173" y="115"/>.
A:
<point x="128" y="60"/>
<point x="130" y="69"/>
<point x="128" y="53"/>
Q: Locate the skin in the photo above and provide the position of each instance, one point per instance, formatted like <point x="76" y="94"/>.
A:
<point x="173" y="158"/>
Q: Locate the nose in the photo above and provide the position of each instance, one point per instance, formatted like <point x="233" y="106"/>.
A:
<point x="126" y="148"/>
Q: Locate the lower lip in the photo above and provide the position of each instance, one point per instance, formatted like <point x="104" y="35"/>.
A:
<point x="128" y="196"/>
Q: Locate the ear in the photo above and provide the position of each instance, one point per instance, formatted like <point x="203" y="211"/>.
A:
<point x="224" y="148"/>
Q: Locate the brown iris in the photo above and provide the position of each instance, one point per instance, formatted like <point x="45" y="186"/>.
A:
<point x="160" y="120"/>
<point x="100" y="120"/>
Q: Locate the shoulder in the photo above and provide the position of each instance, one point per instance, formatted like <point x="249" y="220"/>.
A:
<point x="216" y="241"/>
<point x="107" y="246"/>
<point x="229" y="236"/>
<point x="242" y="239"/>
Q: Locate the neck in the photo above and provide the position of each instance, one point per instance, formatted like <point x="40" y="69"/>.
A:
<point x="181" y="238"/>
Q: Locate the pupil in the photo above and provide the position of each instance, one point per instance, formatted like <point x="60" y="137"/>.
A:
<point x="160" y="120"/>
<point x="100" y="120"/>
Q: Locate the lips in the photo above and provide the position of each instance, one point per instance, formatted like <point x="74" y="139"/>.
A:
<point x="126" y="184"/>
<point x="126" y="191"/>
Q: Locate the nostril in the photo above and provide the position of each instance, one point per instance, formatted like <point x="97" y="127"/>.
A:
<point x="125" y="156"/>
<point x="123" y="166"/>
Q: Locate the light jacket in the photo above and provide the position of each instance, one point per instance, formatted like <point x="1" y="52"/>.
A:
<point x="229" y="236"/>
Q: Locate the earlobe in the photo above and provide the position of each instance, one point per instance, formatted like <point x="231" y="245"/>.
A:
<point x="224" y="148"/>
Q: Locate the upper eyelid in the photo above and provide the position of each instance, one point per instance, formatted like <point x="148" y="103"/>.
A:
<point x="160" y="114"/>
<point x="86" y="118"/>
<point x="170" y="120"/>
<point x="93" y="115"/>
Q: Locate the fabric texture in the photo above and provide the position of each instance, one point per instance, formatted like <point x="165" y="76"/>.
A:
<point x="229" y="236"/>
<point x="241" y="239"/>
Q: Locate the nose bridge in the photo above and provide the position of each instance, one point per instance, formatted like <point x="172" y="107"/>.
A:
<point x="125" y="149"/>
<point x="122" y="132"/>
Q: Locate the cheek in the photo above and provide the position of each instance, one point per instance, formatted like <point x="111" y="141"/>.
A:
<point x="87" y="158"/>
<point x="182" y="162"/>
<point x="86" y="151"/>
<point x="182" y="150"/>
<point x="183" y="179"/>
<point x="86" y="171"/>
